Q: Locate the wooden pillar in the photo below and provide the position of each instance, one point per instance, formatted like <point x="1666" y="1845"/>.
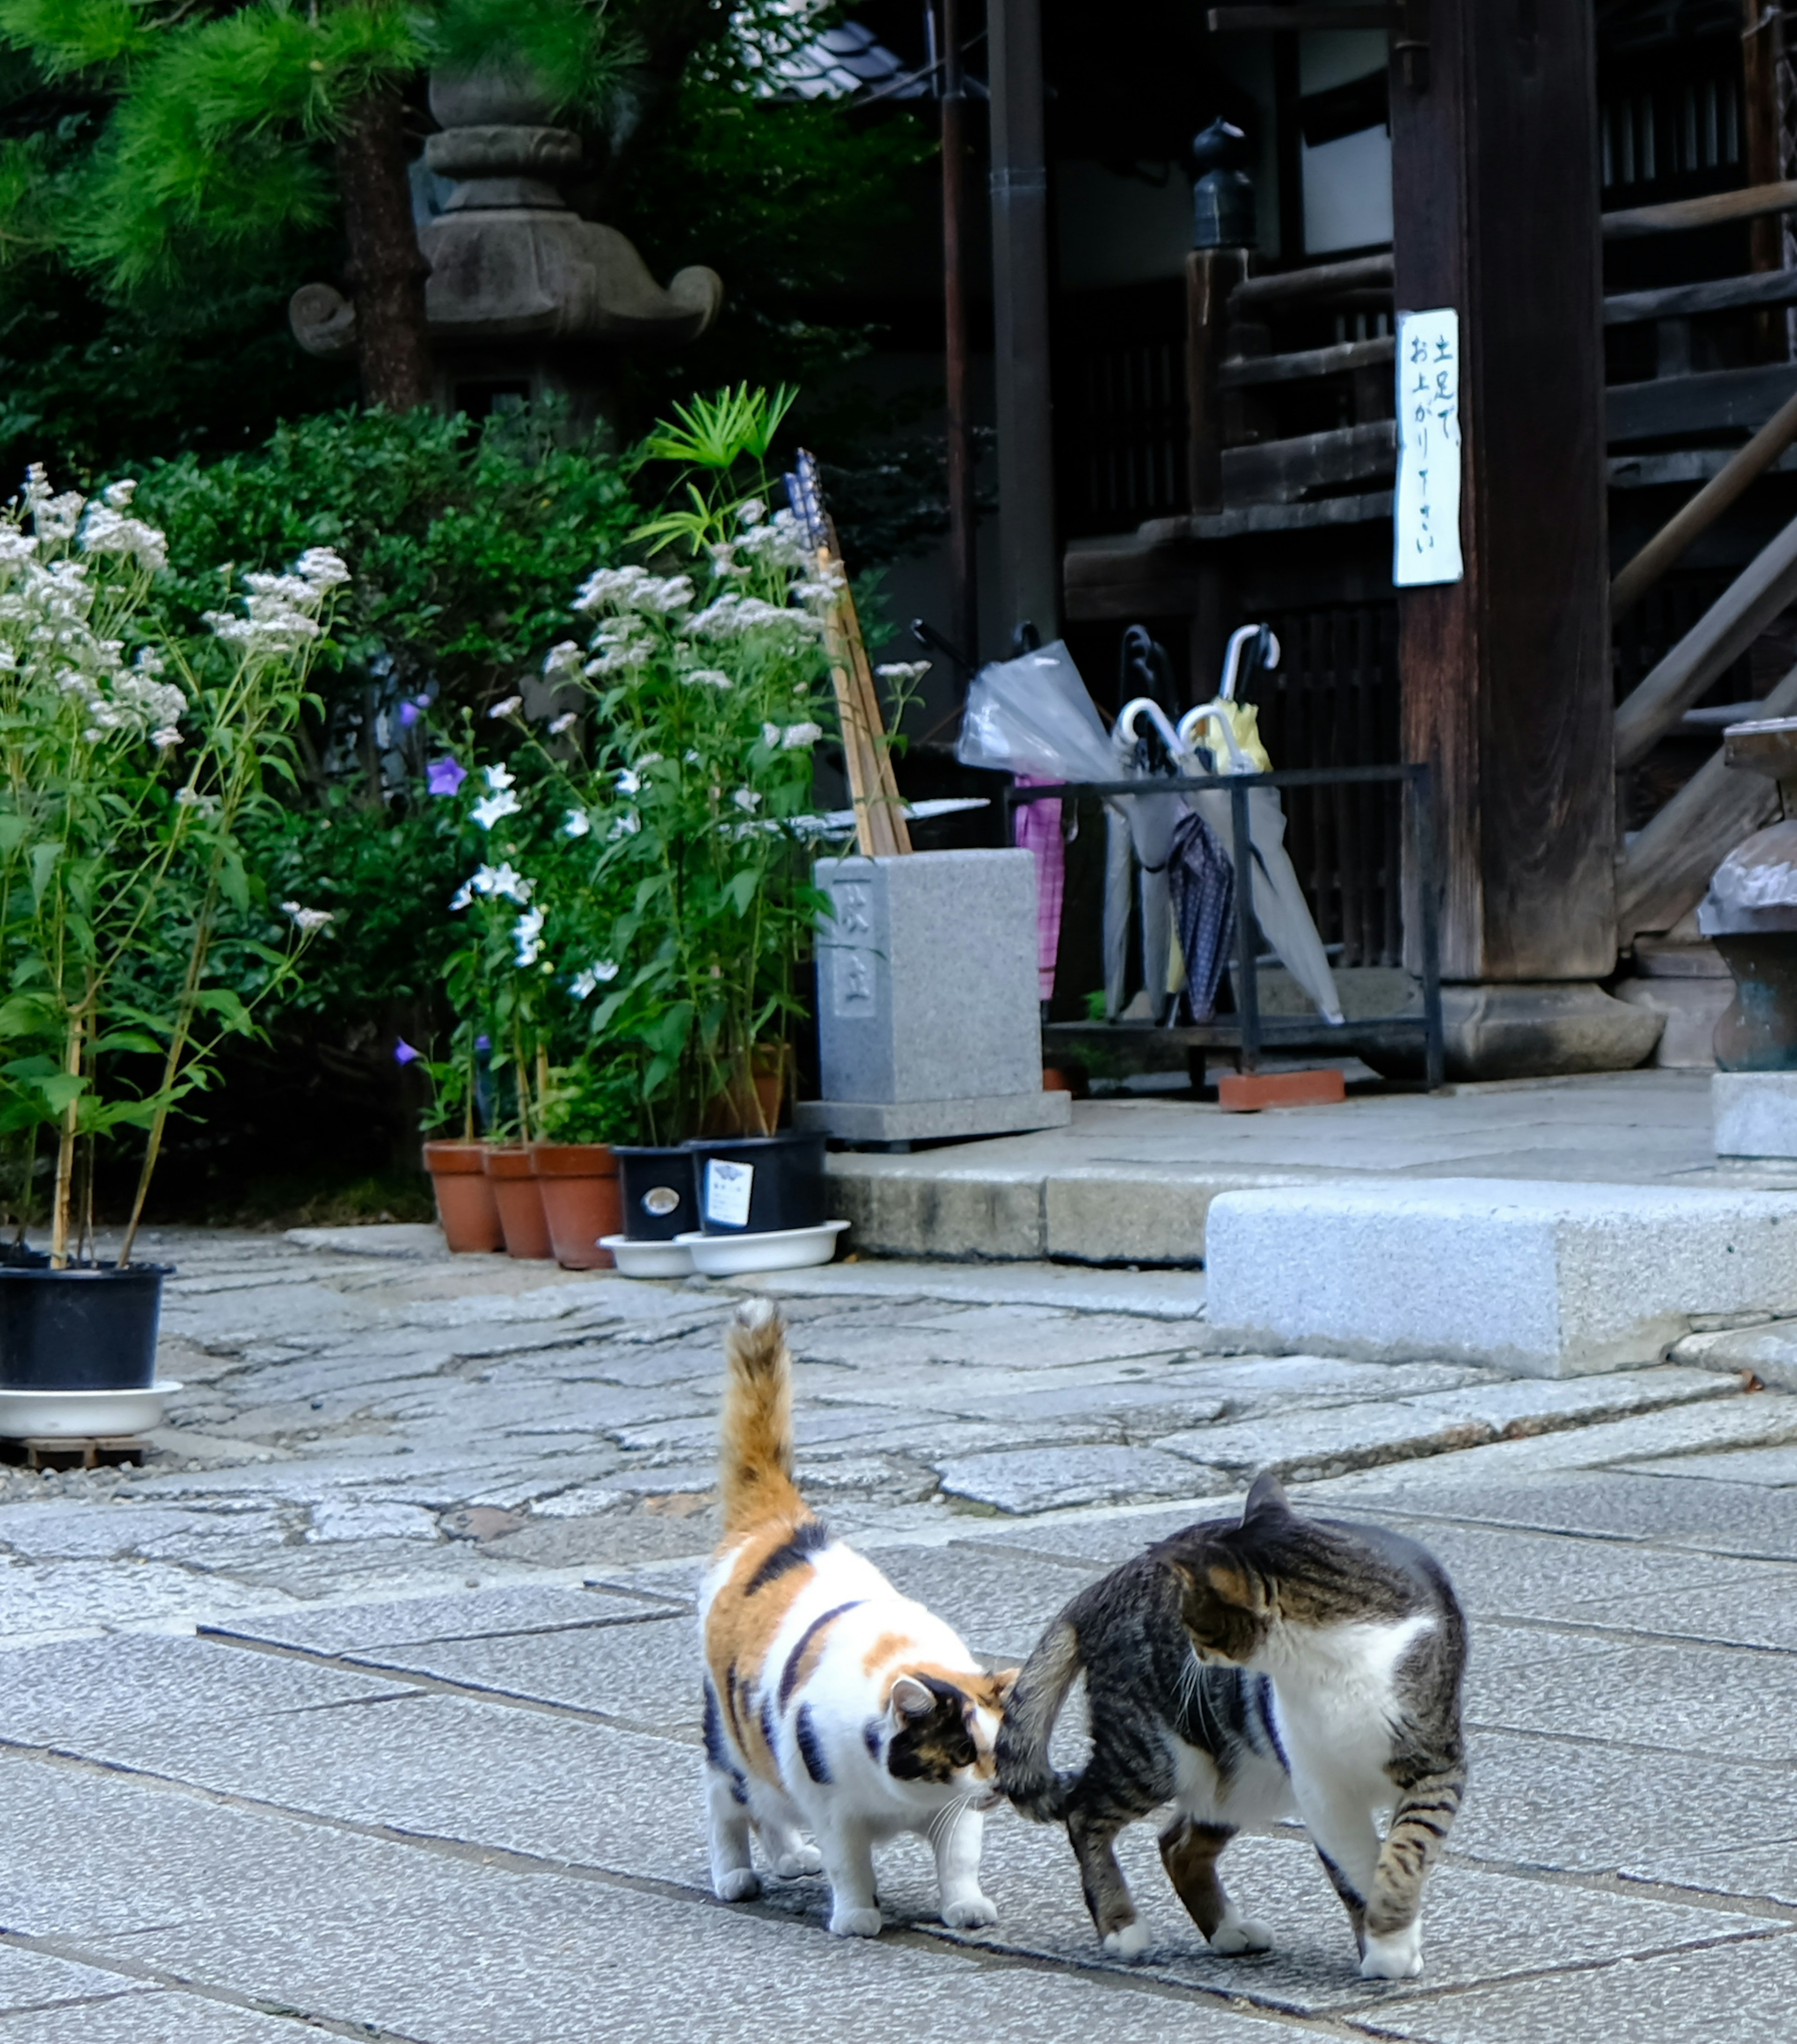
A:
<point x="1761" y="47"/>
<point x="1506" y="675"/>
<point x="1211" y="275"/>
<point x="1029" y="582"/>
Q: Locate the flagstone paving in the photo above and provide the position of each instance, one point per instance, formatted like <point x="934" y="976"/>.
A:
<point x="367" y="1707"/>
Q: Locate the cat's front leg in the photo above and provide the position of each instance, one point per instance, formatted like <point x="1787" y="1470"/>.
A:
<point x="1346" y="1838"/>
<point x="957" y="1838"/>
<point x="1425" y="1808"/>
<point x="848" y="1863"/>
<point x="734" y="1878"/>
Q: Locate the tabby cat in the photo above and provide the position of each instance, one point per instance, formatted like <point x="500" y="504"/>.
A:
<point x="1237" y="1671"/>
<point x="833" y="1704"/>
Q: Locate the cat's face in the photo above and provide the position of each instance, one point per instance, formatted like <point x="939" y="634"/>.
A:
<point x="941" y="1729"/>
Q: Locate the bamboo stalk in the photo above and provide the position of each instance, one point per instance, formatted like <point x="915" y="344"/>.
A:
<point x="65" y="1154"/>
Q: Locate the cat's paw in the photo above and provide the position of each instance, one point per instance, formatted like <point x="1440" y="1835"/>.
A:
<point x="790" y="1865"/>
<point x="855" y="1924"/>
<point x="1397" y="1957"/>
<point x="1129" y="1942"/>
<point x="742" y="1884"/>
<point x="1245" y="1933"/>
<point x="973" y="1913"/>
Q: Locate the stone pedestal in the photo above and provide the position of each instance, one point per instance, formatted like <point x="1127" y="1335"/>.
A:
<point x="1542" y="1031"/>
<point x="1756" y="1113"/>
<point x="928" y="1020"/>
<point x="1689" y="985"/>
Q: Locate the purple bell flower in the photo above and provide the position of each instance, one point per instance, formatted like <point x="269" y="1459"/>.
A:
<point x="444" y="777"/>
<point x="403" y="1053"/>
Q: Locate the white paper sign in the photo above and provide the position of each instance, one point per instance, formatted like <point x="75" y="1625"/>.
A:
<point x="1425" y="513"/>
<point x="728" y="1187"/>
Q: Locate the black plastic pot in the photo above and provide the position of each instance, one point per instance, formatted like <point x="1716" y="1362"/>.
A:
<point x="92" y="1327"/>
<point x="658" y="1194"/>
<point x="785" y="1188"/>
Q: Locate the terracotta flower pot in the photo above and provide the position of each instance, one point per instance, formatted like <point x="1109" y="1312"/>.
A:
<point x="465" y="1202"/>
<point x="579" y="1185"/>
<point x="513" y="1177"/>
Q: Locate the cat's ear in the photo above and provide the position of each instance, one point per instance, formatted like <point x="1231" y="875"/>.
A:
<point x="1233" y="1584"/>
<point x="1265" y="1494"/>
<point x="1003" y="1680"/>
<point x="912" y="1698"/>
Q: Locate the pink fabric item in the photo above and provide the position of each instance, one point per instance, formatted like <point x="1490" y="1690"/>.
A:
<point x="1038" y="828"/>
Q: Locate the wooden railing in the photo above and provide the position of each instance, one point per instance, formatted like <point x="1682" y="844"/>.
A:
<point x="1238" y="458"/>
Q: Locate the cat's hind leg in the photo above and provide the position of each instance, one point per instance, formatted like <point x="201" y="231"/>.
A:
<point x="734" y="1878"/>
<point x="1189" y="1851"/>
<point x="1093" y="1838"/>
<point x="789" y="1853"/>
<point x="956" y="1837"/>
<point x="848" y="1862"/>
<point x="1393" y="1948"/>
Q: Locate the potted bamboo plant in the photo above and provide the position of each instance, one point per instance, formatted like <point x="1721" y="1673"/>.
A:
<point x="130" y="756"/>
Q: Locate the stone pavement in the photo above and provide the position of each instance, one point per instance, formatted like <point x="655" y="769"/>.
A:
<point x="368" y="1707"/>
<point x="1131" y="1180"/>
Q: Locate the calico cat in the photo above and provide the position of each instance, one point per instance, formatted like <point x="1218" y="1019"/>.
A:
<point x="832" y="1703"/>
<point x="1237" y="1671"/>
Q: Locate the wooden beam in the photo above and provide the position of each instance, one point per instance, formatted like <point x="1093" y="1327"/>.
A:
<point x="1686" y="215"/>
<point x="1307" y="362"/>
<point x="1719" y="294"/>
<point x="1665" y="870"/>
<point x="1250" y="21"/>
<point x="1739" y="400"/>
<point x="1721" y="634"/>
<point x="1277" y="472"/>
<point x="1321" y="280"/>
<point x="1742" y="468"/>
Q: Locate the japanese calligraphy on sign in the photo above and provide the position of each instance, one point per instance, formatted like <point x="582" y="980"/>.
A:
<point x="1425" y="513"/>
<point x="851" y="957"/>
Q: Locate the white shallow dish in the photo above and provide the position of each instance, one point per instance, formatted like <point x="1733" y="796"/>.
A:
<point x="776" y="1249"/>
<point x="649" y="1259"/>
<point x="81" y="1415"/>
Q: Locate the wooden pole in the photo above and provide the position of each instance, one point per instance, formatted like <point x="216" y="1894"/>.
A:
<point x="1029" y="580"/>
<point x="964" y="611"/>
<point x="1506" y="684"/>
<point x="1760" y="39"/>
<point x="1211" y="275"/>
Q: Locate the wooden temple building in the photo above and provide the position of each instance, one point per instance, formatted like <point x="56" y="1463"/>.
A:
<point x="1602" y="191"/>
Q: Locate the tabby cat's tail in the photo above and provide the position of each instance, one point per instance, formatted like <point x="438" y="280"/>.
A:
<point x="1024" y="1773"/>
<point x="755" y="1449"/>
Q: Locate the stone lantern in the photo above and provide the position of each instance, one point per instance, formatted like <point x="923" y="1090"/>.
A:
<point x="525" y="299"/>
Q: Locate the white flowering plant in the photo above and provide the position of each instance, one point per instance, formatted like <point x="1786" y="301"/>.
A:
<point x="660" y="816"/>
<point x="130" y="756"/>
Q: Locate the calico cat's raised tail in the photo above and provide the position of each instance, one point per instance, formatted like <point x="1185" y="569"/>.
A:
<point x="1236" y="1670"/>
<point x="833" y="1704"/>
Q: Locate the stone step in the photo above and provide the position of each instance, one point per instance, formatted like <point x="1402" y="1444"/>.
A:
<point x="1536" y="1279"/>
<point x="1309" y="1444"/>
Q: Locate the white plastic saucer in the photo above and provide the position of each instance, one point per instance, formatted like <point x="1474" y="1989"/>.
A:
<point x="649" y="1259"/>
<point x="776" y="1249"/>
<point x="81" y="1415"/>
